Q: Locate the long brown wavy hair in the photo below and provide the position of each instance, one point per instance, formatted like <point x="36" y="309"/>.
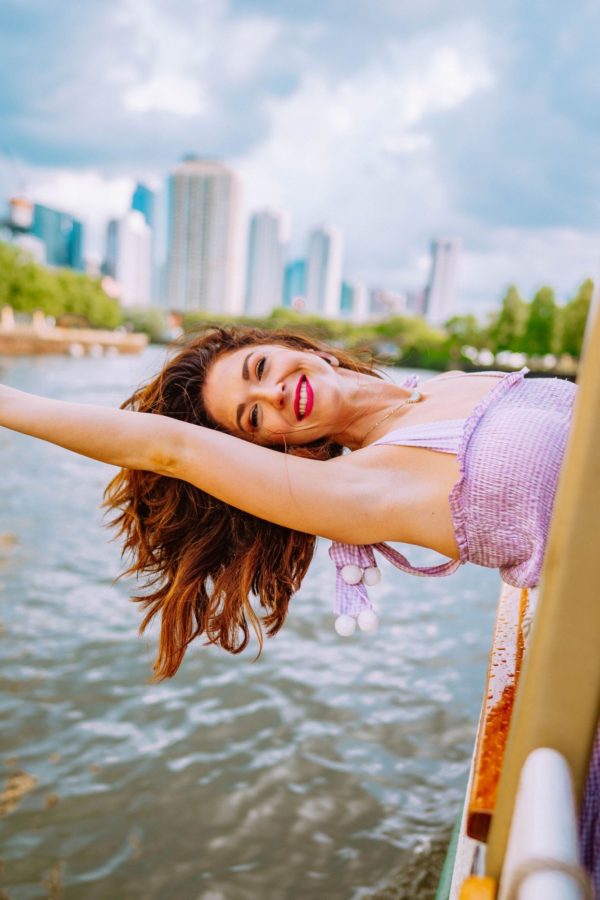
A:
<point x="201" y="560"/>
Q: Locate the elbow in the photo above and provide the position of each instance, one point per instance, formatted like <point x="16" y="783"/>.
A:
<point x="164" y="464"/>
<point x="166" y="453"/>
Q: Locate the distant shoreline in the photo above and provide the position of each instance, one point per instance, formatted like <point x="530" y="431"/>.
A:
<point x="29" y="340"/>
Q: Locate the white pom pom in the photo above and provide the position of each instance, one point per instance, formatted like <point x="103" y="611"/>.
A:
<point x="345" y="625"/>
<point x="367" y="620"/>
<point x="372" y="576"/>
<point x="352" y="574"/>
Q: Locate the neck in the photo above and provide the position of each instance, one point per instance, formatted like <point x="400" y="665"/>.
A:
<point x="371" y="404"/>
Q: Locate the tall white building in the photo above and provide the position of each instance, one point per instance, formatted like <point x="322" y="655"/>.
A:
<point x="264" y="282"/>
<point x="442" y="289"/>
<point x="324" y="272"/>
<point x="203" y="236"/>
<point x="354" y="303"/>
<point x="133" y="264"/>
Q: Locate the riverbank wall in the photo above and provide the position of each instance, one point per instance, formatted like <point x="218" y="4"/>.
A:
<point x="38" y="336"/>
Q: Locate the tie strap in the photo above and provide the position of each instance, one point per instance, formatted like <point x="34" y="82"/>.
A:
<point x="356" y="568"/>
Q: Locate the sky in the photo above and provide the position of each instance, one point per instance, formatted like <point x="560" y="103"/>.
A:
<point x="398" y="121"/>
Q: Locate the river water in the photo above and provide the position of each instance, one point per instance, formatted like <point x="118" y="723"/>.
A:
<point x="331" y="768"/>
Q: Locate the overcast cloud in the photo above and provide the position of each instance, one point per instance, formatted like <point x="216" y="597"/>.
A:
<point x="397" y="121"/>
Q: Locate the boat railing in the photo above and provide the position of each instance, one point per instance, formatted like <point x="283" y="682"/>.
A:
<point x="546" y="699"/>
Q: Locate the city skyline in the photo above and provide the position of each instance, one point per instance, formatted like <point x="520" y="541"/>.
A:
<point x="211" y="251"/>
<point x="397" y="122"/>
<point x="204" y="253"/>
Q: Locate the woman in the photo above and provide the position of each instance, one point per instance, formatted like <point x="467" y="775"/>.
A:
<point x="212" y="511"/>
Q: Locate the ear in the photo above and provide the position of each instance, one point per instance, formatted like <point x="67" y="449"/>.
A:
<point x="328" y="357"/>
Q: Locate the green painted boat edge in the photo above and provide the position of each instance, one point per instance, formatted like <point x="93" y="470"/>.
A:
<point x="445" y="882"/>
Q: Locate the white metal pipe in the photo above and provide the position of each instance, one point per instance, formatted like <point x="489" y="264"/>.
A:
<point x="542" y="859"/>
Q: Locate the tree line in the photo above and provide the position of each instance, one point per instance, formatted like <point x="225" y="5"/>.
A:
<point x="27" y="286"/>
<point x="536" y="328"/>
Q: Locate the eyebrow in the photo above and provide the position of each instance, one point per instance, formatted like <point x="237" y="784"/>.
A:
<point x="246" y="377"/>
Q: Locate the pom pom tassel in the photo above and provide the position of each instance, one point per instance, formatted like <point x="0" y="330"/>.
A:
<point x="355" y="568"/>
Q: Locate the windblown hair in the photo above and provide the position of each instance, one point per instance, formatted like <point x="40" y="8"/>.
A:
<point x="200" y="559"/>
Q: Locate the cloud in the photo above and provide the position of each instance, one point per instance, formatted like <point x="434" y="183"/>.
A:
<point x="397" y="122"/>
<point x="359" y="149"/>
<point x="529" y="258"/>
<point x="246" y="46"/>
<point x="526" y="154"/>
<point x="166" y="93"/>
<point x="85" y="193"/>
<point x="180" y="62"/>
<point x="408" y="148"/>
<point x="134" y="82"/>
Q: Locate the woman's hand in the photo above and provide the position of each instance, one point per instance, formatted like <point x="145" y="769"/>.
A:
<point x="121" y="438"/>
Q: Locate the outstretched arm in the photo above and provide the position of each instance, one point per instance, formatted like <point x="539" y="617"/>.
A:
<point x="126" y="439"/>
<point x="340" y="499"/>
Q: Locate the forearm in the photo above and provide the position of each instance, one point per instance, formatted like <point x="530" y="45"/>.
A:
<point x="121" y="438"/>
<point x="337" y="499"/>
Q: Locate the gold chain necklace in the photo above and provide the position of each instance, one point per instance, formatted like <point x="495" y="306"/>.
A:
<point x="414" y="398"/>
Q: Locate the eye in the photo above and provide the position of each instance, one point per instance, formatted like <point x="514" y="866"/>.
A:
<point x="254" y="417"/>
<point x="260" y="367"/>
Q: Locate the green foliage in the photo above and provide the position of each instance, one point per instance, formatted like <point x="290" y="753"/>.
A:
<point x="541" y="329"/>
<point x="150" y="321"/>
<point x="406" y="339"/>
<point x="27" y="286"/>
<point x="463" y="330"/>
<point x="507" y="328"/>
<point x="574" y="317"/>
<point x="533" y="328"/>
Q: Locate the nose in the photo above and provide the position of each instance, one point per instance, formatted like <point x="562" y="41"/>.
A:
<point x="273" y="394"/>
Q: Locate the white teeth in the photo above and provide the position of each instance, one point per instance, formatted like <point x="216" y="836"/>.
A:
<point x="302" y="399"/>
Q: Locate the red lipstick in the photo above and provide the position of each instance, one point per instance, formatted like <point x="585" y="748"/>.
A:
<point x="309" y="399"/>
<point x="303" y="381"/>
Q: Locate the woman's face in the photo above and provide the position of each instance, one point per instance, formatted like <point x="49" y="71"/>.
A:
<point x="273" y="394"/>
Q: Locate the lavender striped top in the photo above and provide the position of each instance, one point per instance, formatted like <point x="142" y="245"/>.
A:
<point x="510" y="450"/>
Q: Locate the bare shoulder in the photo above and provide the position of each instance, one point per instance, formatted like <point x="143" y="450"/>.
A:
<point x="445" y="376"/>
<point x="452" y="395"/>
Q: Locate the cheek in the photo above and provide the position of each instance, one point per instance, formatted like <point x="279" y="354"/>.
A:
<point x="276" y="432"/>
<point x="207" y="402"/>
<point x="213" y="406"/>
<point x="212" y="393"/>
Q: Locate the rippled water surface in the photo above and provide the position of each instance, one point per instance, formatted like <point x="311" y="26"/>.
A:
<point x="331" y="768"/>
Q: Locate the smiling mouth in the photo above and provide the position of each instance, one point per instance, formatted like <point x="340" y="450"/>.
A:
<point x="303" y="399"/>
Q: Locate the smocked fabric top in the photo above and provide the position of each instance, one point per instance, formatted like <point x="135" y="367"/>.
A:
<point x="509" y="451"/>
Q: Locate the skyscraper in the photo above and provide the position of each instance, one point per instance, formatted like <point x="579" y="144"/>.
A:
<point x="143" y="201"/>
<point x="442" y="289"/>
<point x="346" y="300"/>
<point x="264" y="282"/>
<point x="294" y="284"/>
<point x="203" y="236"/>
<point x="109" y="266"/>
<point x="62" y="235"/>
<point x="134" y="259"/>
<point x="354" y="301"/>
<point x="324" y="274"/>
